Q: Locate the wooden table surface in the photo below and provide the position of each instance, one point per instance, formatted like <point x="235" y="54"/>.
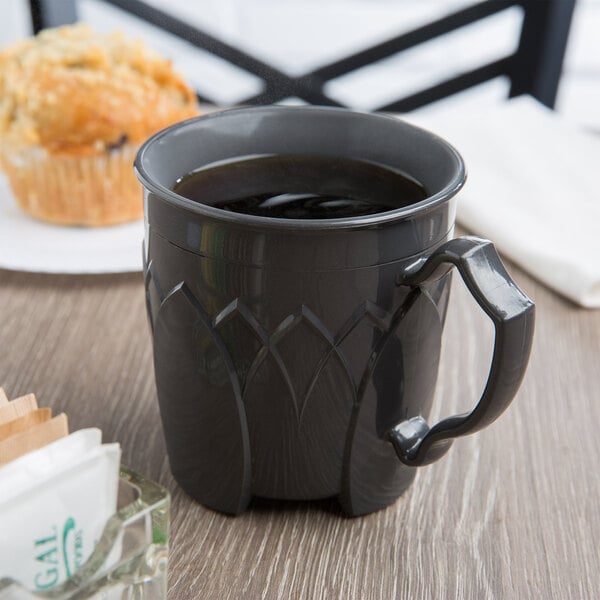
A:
<point x="511" y="512"/>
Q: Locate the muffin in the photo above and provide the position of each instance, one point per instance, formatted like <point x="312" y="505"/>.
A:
<point x="74" y="108"/>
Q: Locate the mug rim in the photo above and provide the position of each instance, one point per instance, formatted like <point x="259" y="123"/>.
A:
<point x="451" y="188"/>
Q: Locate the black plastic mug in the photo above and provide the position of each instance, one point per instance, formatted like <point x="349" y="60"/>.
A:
<point x="297" y="359"/>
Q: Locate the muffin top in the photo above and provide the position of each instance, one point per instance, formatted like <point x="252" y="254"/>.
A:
<point x="73" y="91"/>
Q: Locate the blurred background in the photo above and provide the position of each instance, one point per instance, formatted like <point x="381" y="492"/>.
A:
<point x="297" y="36"/>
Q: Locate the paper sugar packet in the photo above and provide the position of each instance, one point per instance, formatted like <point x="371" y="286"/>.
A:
<point x="32" y="438"/>
<point x="57" y="492"/>
<point x="17" y="407"/>
<point x="24" y="428"/>
<point x="55" y="505"/>
<point x="28" y="420"/>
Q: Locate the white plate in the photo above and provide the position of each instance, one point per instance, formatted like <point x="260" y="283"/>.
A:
<point x="30" y="245"/>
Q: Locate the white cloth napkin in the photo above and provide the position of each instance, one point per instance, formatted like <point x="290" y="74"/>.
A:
<point x="533" y="188"/>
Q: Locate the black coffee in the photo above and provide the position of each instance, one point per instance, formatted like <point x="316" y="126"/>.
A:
<point x="300" y="187"/>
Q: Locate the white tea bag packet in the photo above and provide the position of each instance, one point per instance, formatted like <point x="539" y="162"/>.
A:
<point x="54" y="504"/>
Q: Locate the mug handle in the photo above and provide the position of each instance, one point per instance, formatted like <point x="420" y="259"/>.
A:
<point x="512" y="313"/>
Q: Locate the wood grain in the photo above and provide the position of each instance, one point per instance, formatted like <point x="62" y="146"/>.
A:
<point x="511" y="512"/>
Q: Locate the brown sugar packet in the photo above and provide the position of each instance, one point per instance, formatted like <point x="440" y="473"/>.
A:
<point x="17" y="408"/>
<point x="3" y="397"/>
<point x="33" y="438"/>
<point x="24" y="422"/>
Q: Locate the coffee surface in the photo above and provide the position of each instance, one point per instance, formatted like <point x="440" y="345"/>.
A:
<point x="300" y="187"/>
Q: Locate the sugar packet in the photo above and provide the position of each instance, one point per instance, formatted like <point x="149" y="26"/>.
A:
<point x="54" y="504"/>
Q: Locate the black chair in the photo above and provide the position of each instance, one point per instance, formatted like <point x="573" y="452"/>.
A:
<point x="534" y="68"/>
